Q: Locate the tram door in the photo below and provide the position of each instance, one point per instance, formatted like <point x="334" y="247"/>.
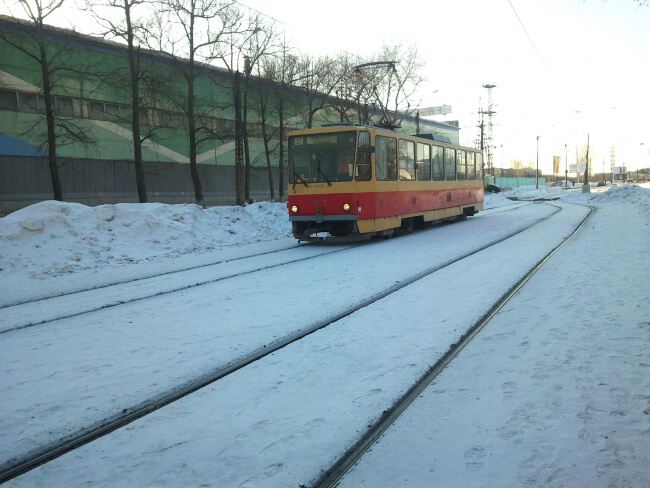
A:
<point x="363" y="168"/>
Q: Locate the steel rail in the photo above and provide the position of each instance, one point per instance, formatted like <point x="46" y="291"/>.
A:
<point x="117" y="303"/>
<point x="189" y="268"/>
<point x="331" y="477"/>
<point x="170" y="290"/>
<point x="108" y="425"/>
<point x="142" y="278"/>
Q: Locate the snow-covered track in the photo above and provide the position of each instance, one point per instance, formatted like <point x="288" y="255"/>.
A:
<point x="16" y="317"/>
<point x="331" y="477"/>
<point x="19" y="315"/>
<point x="141" y="278"/>
<point x="92" y="432"/>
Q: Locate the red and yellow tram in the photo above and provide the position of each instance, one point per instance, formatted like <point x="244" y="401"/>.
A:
<point x="358" y="181"/>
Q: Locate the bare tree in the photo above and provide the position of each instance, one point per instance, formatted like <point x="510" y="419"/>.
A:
<point x="192" y="28"/>
<point x="320" y="78"/>
<point x="267" y="135"/>
<point x="130" y="28"/>
<point x="284" y="71"/>
<point x="33" y="39"/>
<point x="248" y="43"/>
<point x="381" y="87"/>
<point x="352" y="91"/>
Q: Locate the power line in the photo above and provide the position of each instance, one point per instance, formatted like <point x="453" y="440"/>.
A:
<point x="261" y="13"/>
<point x="532" y="43"/>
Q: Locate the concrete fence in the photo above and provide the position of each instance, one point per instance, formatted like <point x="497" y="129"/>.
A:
<point x="504" y="181"/>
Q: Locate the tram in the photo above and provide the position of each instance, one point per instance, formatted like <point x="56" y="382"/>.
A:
<point x="355" y="182"/>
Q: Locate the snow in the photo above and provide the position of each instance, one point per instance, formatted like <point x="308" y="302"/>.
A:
<point x="554" y="392"/>
<point x="57" y="238"/>
<point x="530" y="383"/>
<point x="44" y="246"/>
<point x="120" y="366"/>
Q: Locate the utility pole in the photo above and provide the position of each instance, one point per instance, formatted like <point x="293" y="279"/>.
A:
<point x="585" y="185"/>
<point x="490" y="142"/>
<point x="481" y="141"/>
<point x="566" y="167"/>
<point x="482" y="126"/>
<point x="537" y="167"/>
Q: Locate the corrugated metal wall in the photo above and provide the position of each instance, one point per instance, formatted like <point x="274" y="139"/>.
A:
<point x="26" y="180"/>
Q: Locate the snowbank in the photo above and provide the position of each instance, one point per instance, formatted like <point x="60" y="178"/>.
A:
<point x="627" y="193"/>
<point x="56" y="238"/>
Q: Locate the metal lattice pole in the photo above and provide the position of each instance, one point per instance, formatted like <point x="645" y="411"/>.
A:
<point x="490" y="136"/>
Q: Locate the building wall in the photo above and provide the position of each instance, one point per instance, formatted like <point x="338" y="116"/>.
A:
<point x="92" y="92"/>
<point x="24" y="180"/>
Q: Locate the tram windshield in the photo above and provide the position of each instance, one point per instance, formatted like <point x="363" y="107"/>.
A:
<point x="322" y="158"/>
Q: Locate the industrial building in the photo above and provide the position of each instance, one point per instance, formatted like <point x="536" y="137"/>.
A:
<point x="91" y="93"/>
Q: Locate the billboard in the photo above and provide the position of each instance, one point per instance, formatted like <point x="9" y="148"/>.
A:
<point x="439" y="110"/>
<point x="556" y="164"/>
<point x="577" y="168"/>
<point x="619" y="170"/>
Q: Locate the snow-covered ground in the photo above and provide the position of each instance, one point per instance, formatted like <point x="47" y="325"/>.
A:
<point x="53" y="247"/>
<point x="555" y="392"/>
<point x="535" y="369"/>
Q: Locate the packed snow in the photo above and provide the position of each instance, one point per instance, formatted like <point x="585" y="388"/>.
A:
<point x="555" y="386"/>
<point x="43" y="246"/>
<point x="57" y="238"/>
<point x="555" y="392"/>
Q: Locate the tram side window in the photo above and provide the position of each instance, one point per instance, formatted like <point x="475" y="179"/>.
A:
<point x="461" y="168"/>
<point x="450" y="163"/>
<point x="386" y="157"/>
<point x="406" y="160"/>
<point x="471" y="166"/>
<point x="436" y="161"/>
<point x="363" y="172"/>
<point x="479" y="165"/>
<point x="424" y="162"/>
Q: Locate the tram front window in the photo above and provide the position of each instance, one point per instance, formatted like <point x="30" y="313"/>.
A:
<point x="322" y="158"/>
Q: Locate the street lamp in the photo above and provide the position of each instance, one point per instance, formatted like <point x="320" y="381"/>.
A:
<point x="566" y="167"/>
<point x="585" y="184"/>
<point x="537" y="167"/>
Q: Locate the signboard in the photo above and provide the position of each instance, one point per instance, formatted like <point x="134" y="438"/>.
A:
<point x="619" y="170"/>
<point x="439" y="110"/>
<point x="556" y="164"/>
<point x="577" y="168"/>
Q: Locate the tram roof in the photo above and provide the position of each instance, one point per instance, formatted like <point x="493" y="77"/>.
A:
<point x="343" y="126"/>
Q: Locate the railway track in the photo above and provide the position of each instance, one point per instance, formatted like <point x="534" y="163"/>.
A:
<point x="46" y="303"/>
<point x="331" y="477"/>
<point x="129" y="415"/>
<point x="142" y="278"/>
<point x="149" y="276"/>
<point x="50" y="302"/>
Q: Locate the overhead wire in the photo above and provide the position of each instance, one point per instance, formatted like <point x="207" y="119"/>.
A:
<point x="530" y="39"/>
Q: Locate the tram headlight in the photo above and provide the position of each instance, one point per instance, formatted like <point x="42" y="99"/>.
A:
<point x="346" y="207"/>
<point x="294" y="208"/>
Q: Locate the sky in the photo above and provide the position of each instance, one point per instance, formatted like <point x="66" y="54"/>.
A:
<point x="575" y="67"/>
<point x="563" y="69"/>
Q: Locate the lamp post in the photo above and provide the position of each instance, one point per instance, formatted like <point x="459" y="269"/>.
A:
<point x="585" y="184"/>
<point x="566" y="167"/>
<point x="537" y="167"/>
